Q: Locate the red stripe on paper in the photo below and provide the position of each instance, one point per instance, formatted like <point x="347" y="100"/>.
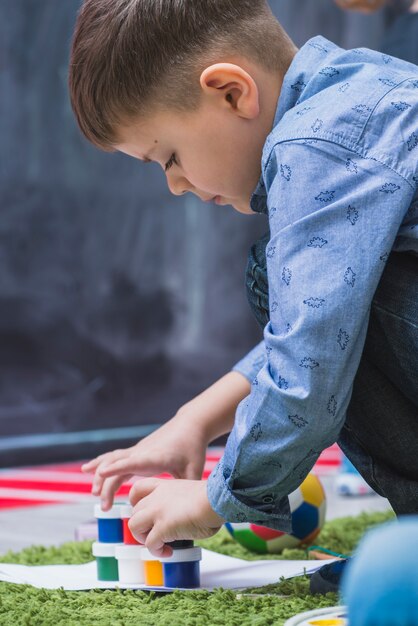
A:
<point x="21" y="478"/>
<point x="14" y="503"/>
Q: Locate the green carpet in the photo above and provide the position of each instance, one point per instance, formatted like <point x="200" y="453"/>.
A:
<point x="22" y="605"/>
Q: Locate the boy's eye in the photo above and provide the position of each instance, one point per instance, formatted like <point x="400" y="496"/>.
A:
<point x="170" y="162"/>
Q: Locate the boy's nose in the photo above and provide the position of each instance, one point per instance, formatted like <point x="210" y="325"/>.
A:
<point x="178" y="185"/>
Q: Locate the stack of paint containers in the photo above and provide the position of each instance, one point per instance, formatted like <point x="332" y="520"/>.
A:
<point x="118" y="554"/>
<point x="121" y="558"/>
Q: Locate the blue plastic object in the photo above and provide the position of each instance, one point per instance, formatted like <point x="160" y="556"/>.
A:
<point x="347" y="466"/>
<point x="349" y="481"/>
<point x="110" y="530"/>
<point x="185" y="575"/>
<point x="380" y="584"/>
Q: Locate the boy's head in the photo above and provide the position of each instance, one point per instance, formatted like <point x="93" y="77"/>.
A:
<point x="148" y="74"/>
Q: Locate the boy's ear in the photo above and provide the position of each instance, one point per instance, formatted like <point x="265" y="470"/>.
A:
<point x="233" y="87"/>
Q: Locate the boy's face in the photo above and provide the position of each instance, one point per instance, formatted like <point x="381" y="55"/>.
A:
<point x="212" y="152"/>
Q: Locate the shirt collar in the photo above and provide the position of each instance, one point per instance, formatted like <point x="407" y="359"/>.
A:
<point x="258" y="200"/>
<point x="294" y="90"/>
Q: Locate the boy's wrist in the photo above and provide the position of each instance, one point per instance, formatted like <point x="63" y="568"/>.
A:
<point x="205" y="424"/>
<point x="212" y="518"/>
<point x="190" y="419"/>
<point x="200" y="419"/>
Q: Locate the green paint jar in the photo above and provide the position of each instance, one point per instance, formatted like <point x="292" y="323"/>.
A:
<point x="107" y="565"/>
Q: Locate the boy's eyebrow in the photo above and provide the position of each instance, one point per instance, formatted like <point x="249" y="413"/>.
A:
<point x="146" y="157"/>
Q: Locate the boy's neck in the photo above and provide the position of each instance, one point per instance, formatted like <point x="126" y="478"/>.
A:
<point x="270" y="85"/>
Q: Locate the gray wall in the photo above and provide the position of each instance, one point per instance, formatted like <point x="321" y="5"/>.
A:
<point x="118" y="302"/>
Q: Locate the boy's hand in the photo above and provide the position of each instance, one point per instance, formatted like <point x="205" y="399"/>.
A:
<point x="167" y="510"/>
<point x="178" y="447"/>
<point x="364" y="6"/>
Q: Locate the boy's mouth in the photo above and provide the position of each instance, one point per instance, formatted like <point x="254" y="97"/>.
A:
<point x="215" y="199"/>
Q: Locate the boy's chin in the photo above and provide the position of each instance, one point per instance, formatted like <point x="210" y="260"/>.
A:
<point x="243" y="207"/>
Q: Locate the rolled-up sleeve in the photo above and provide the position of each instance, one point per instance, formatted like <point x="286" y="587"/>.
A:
<point x="251" y="363"/>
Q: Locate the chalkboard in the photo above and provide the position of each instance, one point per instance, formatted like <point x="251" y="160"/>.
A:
<point x="118" y="302"/>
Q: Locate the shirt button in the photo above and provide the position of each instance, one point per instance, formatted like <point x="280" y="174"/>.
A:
<point x="268" y="499"/>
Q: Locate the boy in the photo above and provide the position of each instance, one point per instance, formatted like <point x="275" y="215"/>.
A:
<point x="326" y="142"/>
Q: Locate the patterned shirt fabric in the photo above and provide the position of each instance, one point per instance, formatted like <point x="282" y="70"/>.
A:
<point x="339" y="182"/>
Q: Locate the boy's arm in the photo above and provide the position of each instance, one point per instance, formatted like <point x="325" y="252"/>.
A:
<point x="179" y="446"/>
<point x="333" y="224"/>
<point x="214" y="409"/>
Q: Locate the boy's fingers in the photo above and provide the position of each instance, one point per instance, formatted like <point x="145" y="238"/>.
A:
<point x="140" y="525"/>
<point x="98" y="481"/>
<point x="90" y="465"/>
<point x="156" y="545"/>
<point x="129" y="465"/>
<point x="110" y="487"/>
<point x="142" y="488"/>
<point x="97" y="484"/>
<point x="94" y="463"/>
<point x="117" y="467"/>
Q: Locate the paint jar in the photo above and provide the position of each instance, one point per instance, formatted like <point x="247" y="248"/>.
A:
<point x="126" y="514"/>
<point x="130" y="565"/>
<point x="182" y="569"/>
<point x="153" y="569"/>
<point x="110" y="527"/>
<point x="107" y="565"/>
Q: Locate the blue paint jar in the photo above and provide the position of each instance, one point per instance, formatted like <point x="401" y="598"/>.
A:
<point x="110" y="525"/>
<point x="182" y="569"/>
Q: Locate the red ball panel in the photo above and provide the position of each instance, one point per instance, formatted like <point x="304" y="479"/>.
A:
<point x="266" y="533"/>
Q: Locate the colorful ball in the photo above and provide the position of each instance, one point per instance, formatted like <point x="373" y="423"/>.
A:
<point x="307" y="506"/>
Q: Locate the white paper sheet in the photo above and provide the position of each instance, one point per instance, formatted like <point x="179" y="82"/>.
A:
<point x="216" y="570"/>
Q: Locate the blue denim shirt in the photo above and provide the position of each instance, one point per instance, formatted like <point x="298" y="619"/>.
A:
<point x="339" y="182"/>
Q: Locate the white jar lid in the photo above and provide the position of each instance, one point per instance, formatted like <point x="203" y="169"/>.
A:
<point x="182" y="556"/>
<point x="105" y="549"/>
<point x="113" y="513"/>
<point x="128" y="552"/>
<point x="126" y="510"/>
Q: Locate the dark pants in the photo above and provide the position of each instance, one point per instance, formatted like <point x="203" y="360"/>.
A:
<point x="380" y="434"/>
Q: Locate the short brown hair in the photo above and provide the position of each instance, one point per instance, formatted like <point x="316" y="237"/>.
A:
<point x="130" y="56"/>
